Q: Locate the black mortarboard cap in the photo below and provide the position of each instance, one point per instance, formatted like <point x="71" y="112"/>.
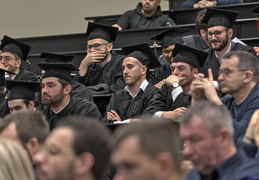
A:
<point x="219" y="17"/>
<point x="22" y="89"/>
<point x="58" y="70"/>
<point x="143" y="53"/>
<point x="107" y="33"/>
<point x="2" y="76"/>
<point x="11" y="45"/>
<point x="170" y="36"/>
<point x="189" y="55"/>
<point x="51" y="57"/>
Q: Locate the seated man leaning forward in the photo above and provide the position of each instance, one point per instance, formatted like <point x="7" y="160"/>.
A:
<point x="238" y="78"/>
<point x="138" y="97"/>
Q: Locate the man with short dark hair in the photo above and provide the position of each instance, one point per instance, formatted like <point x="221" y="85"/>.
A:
<point x="146" y="15"/>
<point x="148" y="150"/>
<point x="56" y="94"/>
<point x="219" y="34"/>
<point x="207" y="131"/>
<point x="139" y="97"/>
<point x="26" y="127"/>
<point x="76" y="149"/>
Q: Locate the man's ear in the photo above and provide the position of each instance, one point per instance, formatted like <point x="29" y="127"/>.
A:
<point x="230" y="33"/>
<point x="144" y="69"/>
<point x="166" y="164"/>
<point x="31" y="105"/>
<point x="109" y="47"/>
<point x="248" y="76"/>
<point x="85" y="163"/>
<point x="203" y="32"/>
<point x="67" y="89"/>
<point x="32" y="146"/>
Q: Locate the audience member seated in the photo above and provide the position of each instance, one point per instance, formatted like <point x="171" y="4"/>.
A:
<point x="27" y="128"/>
<point x="238" y="79"/>
<point x="56" y="94"/>
<point x="76" y="149"/>
<point x="79" y="90"/>
<point x="168" y="40"/>
<point x="15" y="163"/>
<point x="147" y="150"/>
<point x="12" y="54"/>
<point x="101" y="67"/>
<point x="22" y="95"/>
<point x="138" y="97"/>
<point x="198" y="41"/>
<point x="207" y="131"/>
<point x="219" y="36"/>
<point x="176" y="90"/>
<point x="147" y="14"/>
<point x="208" y="3"/>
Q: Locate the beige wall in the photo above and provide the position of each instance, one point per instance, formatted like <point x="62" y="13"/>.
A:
<point x="30" y="18"/>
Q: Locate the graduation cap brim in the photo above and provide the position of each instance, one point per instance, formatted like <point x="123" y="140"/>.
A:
<point x="2" y="76"/>
<point x="184" y="57"/>
<point x="105" y="32"/>
<point x="144" y="47"/>
<point x="174" y="30"/>
<point x="33" y="85"/>
<point x="21" y="49"/>
<point x="232" y="15"/>
<point x="255" y="10"/>
<point x="3" y="71"/>
<point x="57" y="65"/>
<point x="51" y="57"/>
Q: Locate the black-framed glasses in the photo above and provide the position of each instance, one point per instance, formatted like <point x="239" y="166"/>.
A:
<point x="225" y="72"/>
<point x="217" y="34"/>
<point x="6" y="58"/>
<point x="96" y="46"/>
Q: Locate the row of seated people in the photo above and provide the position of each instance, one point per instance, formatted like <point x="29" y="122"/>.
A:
<point x="82" y="148"/>
<point x="140" y="97"/>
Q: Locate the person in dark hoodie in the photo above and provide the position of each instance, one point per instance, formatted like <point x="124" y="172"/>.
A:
<point x="147" y="14"/>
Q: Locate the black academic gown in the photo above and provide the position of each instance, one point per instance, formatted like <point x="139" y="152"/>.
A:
<point x="81" y="91"/>
<point x="110" y="74"/>
<point x="26" y="75"/>
<point x="147" y="102"/>
<point x="213" y="63"/>
<point x="3" y="104"/>
<point x="160" y="73"/>
<point x="76" y="106"/>
<point x="182" y="100"/>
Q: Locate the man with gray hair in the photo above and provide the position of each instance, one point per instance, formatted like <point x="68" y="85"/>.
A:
<point x="148" y="150"/>
<point x="207" y="131"/>
<point x="238" y="78"/>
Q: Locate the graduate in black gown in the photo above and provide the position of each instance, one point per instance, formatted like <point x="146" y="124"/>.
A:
<point x="101" y="64"/>
<point x="219" y="33"/>
<point x="186" y="64"/>
<point x="56" y="94"/>
<point x="139" y="97"/>
<point x="79" y="89"/>
<point x="21" y="95"/>
<point x="168" y="40"/>
<point x="13" y="53"/>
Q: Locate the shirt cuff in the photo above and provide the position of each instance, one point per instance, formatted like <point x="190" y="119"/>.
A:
<point x="158" y="114"/>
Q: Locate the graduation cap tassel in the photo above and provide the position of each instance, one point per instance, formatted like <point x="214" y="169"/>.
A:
<point x="155" y="48"/>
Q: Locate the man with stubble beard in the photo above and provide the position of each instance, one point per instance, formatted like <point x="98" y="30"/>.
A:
<point x="57" y="94"/>
<point x="219" y="34"/>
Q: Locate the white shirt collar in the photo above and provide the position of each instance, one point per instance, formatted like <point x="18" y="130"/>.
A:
<point x="143" y="86"/>
<point x="227" y="51"/>
<point x="56" y="112"/>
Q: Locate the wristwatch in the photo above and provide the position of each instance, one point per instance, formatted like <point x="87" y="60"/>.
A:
<point x="175" y="84"/>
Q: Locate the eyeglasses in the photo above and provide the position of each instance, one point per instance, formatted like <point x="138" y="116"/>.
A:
<point x="6" y="58"/>
<point x="96" y="46"/>
<point x="226" y="72"/>
<point x="217" y="34"/>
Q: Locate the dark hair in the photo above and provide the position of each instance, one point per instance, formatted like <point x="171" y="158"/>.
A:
<point x="246" y="61"/>
<point x="90" y="136"/>
<point x="64" y="83"/>
<point x="199" y="17"/>
<point x="154" y="136"/>
<point x="29" y="124"/>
